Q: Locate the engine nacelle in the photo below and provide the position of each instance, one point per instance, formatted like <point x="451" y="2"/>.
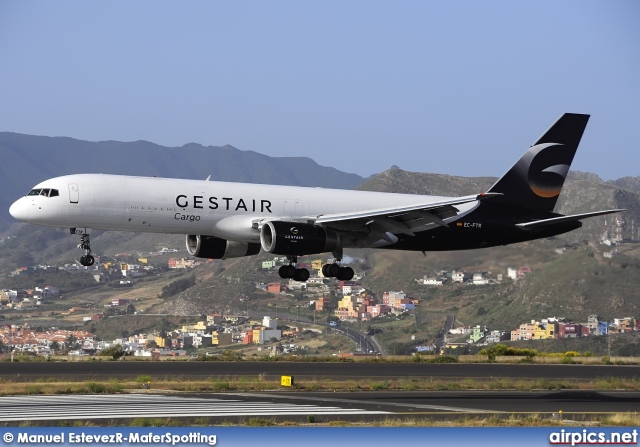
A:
<point x="212" y="247"/>
<point x="292" y="238"/>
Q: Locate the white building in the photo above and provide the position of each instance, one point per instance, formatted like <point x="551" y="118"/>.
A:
<point x="47" y="291"/>
<point x="269" y="323"/>
<point x="265" y="335"/>
<point x="461" y="330"/>
<point x="479" y="279"/>
<point x="496" y="337"/>
<point x="457" y="276"/>
<point x="431" y="281"/>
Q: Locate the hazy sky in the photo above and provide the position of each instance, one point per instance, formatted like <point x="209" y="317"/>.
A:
<point x="457" y="87"/>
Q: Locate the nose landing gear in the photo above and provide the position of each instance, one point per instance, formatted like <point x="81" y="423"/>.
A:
<point x="87" y="259"/>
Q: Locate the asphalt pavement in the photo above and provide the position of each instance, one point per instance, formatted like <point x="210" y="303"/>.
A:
<point x="310" y="370"/>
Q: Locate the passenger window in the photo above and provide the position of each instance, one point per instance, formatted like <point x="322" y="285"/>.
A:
<point x="54" y="193"/>
<point x="34" y="192"/>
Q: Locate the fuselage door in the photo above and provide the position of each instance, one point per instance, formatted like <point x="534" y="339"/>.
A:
<point x="74" y="193"/>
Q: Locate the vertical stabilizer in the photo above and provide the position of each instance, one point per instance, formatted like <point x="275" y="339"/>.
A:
<point x="536" y="180"/>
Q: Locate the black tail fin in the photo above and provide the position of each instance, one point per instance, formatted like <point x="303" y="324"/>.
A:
<point x="536" y="180"/>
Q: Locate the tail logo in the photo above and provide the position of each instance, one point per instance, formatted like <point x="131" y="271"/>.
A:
<point x="548" y="168"/>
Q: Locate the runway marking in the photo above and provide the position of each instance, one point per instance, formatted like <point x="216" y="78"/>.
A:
<point x="370" y="402"/>
<point x="115" y="406"/>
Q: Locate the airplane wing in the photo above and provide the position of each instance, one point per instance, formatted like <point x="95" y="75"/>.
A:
<point x="378" y="223"/>
<point x="573" y="217"/>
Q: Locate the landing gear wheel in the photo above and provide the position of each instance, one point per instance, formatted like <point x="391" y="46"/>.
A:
<point x="332" y="270"/>
<point x="301" y="275"/>
<point x="287" y="271"/>
<point x="346" y="274"/>
<point x="87" y="260"/>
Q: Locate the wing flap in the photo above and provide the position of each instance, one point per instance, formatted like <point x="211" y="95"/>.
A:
<point x="368" y="227"/>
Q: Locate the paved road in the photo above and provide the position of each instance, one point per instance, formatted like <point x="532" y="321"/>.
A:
<point x="297" y="406"/>
<point x="301" y="370"/>
<point x="441" y="339"/>
<point x="364" y="343"/>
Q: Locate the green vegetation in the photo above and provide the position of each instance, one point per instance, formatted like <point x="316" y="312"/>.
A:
<point x="260" y="422"/>
<point x="263" y="383"/>
<point x="178" y="286"/>
<point x="115" y="352"/>
<point x="501" y="349"/>
<point x="65" y="281"/>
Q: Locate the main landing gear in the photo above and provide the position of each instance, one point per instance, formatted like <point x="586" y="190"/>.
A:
<point x="336" y="271"/>
<point x="328" y="270"/>
<point x="87" y="259"/>
<point x="290" y="271"/>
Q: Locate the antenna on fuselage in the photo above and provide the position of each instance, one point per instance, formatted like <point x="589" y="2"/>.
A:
<point x="208" y="178"/>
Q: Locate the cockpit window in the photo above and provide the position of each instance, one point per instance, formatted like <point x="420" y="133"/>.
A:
<point x="46" y="192"/>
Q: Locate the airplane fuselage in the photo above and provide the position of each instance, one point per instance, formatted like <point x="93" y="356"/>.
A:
<point x="163" y="205"/>
<point x="235" y="210"/>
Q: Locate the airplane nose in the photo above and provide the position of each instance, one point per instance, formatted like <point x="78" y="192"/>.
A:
<point x="19" y="210"/>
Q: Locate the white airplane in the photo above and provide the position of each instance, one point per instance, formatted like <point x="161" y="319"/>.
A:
<point x="226" y="220"/>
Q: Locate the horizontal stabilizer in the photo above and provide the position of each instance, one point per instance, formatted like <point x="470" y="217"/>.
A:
<point x="556" y="220"/>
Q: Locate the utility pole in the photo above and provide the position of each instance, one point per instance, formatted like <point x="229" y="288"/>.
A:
<point x="10" y="350"/>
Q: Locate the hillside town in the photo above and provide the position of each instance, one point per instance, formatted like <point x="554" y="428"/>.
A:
<point x="545" y="329"/>
<point x="216" y="331"/>
<point x="343" y="301"/>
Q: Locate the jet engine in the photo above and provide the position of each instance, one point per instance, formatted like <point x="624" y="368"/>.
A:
<point x="292" y="238"/>
<point x="212" y="247"/>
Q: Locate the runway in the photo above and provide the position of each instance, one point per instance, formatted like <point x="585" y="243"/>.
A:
<point x="123" y="406"/>
<point x="324" y="407"/>
<point x="310" y="370"/>
<point x="292" y="405"/>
